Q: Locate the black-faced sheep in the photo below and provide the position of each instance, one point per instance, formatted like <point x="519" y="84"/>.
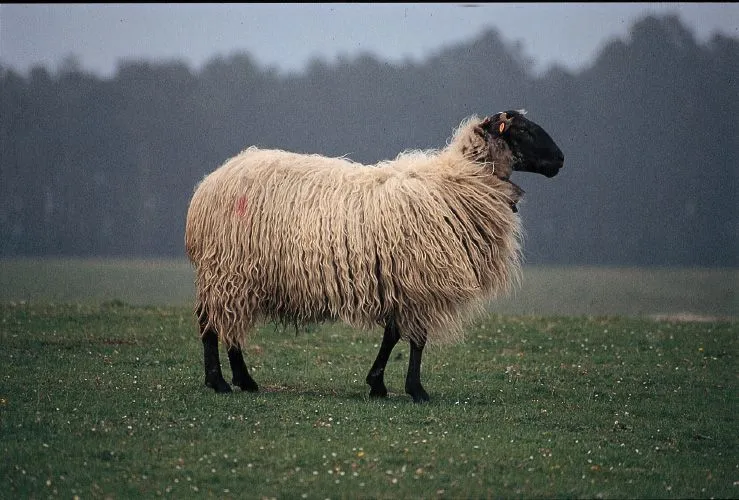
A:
<point x="415" y="244"/>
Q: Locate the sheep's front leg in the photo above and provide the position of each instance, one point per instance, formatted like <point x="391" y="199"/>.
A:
<point x="241" y="377"/>
<point x="413" y="379"/>
<point x="376" y="376"/>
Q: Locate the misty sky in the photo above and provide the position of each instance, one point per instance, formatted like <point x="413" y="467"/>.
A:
<point x="286" y="36"/>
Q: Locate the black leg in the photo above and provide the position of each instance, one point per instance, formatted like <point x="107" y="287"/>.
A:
<point x="376" y="376"/>
<point x="213" y="376"/>
<point x="241" y="377"/>
<point x="413" y="379"/>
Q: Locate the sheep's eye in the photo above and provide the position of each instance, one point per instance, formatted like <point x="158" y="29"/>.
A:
<point x="501" y="127"/>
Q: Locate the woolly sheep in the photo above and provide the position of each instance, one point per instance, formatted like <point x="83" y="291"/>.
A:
<point x="415" y="245"/>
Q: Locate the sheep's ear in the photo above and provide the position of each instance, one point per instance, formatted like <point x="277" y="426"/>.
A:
<point x="496" y="124"/>
<point x="486" y="126"/>
<point x="501" y="122"/>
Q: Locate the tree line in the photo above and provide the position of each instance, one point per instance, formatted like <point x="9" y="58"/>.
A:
<point x="106" y="167"/>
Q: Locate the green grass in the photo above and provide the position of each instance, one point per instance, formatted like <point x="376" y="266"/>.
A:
<point x="108" y="401"/>
<point x="562" y="291"/>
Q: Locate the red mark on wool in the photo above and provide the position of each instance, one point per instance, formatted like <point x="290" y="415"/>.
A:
<point x="240" y="207"/>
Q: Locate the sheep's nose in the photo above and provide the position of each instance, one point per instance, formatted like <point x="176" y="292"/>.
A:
<point x="560" y="158"/>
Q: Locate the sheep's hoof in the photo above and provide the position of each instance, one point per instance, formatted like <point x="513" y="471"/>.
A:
<point x="380" y="392"/>
<point x="248" y="385"/>
<point x="377" y="386"/>
<point x="220" y="386"/>
<point x="418" y="394"/>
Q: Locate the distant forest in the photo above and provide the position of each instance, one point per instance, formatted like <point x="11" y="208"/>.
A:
<point x="106" y="167"/>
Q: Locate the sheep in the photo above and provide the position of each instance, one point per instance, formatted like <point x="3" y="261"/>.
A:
<point x="415" y="245"/>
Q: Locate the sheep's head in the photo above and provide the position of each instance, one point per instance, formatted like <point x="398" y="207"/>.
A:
<point x="528" y="147"/>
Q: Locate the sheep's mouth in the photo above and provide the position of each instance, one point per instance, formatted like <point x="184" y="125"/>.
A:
<point x="545" y="168"/>
<point x="550" y="169"/>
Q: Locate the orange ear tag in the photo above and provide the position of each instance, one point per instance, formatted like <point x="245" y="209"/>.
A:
<point x="501" y="127"/>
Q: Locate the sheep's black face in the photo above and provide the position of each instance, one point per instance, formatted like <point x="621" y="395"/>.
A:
<point x="531" y="147"/>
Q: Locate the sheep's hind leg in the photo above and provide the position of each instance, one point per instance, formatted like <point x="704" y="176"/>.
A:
<point x="213" y="376"/>
<point x="376" y="376"/>
<point x="413" y="379"/>
<point x="241" y="377"/>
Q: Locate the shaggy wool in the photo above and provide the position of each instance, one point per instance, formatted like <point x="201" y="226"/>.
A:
<point x="426" y="238"/>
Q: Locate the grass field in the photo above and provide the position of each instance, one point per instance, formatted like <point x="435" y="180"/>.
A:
<point x="107" y="402"/>
<point x="569" y="389"/>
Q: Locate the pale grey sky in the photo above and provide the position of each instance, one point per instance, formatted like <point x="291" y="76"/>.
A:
<point x="286" y="36"/>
